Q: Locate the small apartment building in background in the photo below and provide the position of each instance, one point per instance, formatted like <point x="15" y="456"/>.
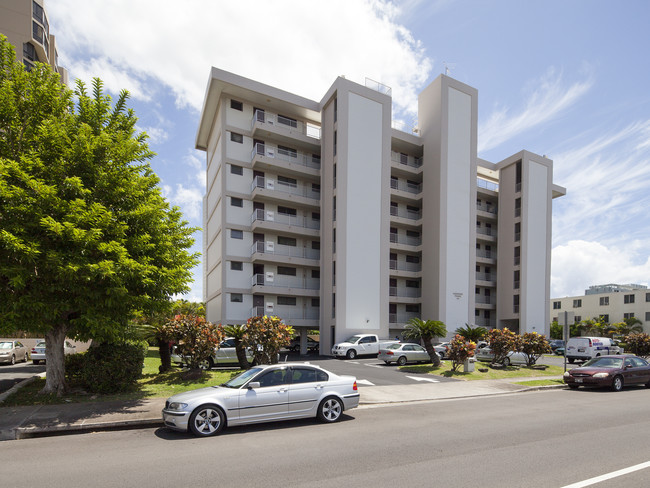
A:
<point x="614" y="303"/>
<point x="26" y="25"/>
<point x="322" y="213"/>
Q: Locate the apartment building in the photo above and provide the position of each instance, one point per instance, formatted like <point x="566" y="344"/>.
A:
<point x="26" y="25"/>
<point x="613" y="302"/>
<point x="322" y="213"/>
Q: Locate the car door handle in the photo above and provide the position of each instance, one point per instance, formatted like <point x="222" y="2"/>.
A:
<point x="320" y="387"/>
<point x="282" y="390"/>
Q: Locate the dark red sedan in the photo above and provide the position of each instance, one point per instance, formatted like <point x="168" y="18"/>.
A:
<point x="610" y="371"/>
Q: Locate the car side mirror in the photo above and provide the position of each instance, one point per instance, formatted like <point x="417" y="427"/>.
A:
<point x="253" y="384"/>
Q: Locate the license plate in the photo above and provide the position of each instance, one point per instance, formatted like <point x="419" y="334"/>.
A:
<point x="578" y="380"/>
<point x="581" y="349"/>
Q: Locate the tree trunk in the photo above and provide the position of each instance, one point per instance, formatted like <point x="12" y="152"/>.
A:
<point x="55" y="361"/>
<point x="165" y="356"/>
<point x="435" y="359"/>
<point x="241" y="355"/>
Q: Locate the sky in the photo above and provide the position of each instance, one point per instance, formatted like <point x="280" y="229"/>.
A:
<point x="566" y="79"/>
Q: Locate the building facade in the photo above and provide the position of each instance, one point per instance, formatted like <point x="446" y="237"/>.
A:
<point x="322" y="213"/>
<point x="26" y="25"/>
<point x="614" y="303"/>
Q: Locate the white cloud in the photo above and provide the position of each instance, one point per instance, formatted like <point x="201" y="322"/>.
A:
<point x="299" y="46"/>
<point x="189" y="199"/>
<point x="579" y="264"/>
<point x="549" y="97"/>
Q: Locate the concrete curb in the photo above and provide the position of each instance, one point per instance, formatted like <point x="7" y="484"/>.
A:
<point x="29" y="432"/>
<point x="18" y="386"/>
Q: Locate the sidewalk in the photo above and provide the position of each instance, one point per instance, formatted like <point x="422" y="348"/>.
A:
<point x="43" y="420"/>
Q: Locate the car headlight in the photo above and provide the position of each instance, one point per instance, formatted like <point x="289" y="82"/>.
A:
<point x="601" y="375"/>
<point x="566" y="374"/>
<point x="177" y="406"/>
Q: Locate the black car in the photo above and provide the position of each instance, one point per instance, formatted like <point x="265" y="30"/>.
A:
<point x="312" y="345"/>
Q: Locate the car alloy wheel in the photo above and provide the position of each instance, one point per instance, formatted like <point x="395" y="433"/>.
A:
<point x="506" y="362"/>
<point x="401" y="361"/>
<point x="206" y="420"/>
<point x="351" y="354"/>
<point x="617" y="384"/>
<point x="206" y="364"/>
<point x="330" y="410"/>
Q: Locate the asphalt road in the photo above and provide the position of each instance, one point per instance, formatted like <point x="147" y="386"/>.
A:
<point x="10" y="375"/>
<point x="544" y="439"/>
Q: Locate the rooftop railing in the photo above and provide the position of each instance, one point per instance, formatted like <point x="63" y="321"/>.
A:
<point x="488" y="185"/>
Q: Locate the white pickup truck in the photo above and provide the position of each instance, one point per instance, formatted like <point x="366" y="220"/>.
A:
<point x="360" y="344"/>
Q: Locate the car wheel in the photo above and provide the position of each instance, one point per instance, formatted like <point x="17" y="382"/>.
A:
<point x="401" y="361"/>
<point x="206" y="364"/>
<point x="330" y="410"/>
<point x="351" y="354"/>
<point x="574" y="387"/>
<point x="13" y="360"/>
<point x="388" y="363"/>
<point x="617" y="384"/>
<point x="571" y="360"/>
<point x="35" y="361"/>
<point x="207" y="420"/>
<point x="647" y="385"/>
<point x="506" y="362"/>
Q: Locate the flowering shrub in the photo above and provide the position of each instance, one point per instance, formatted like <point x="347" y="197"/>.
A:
<point x="265" y="336"/>
<point x="501" y="342"/>
<point x="638" y="344"/>
<point x="196" y="339"/>
<point x="534" y="345"/>
<point x="460" y="350"/>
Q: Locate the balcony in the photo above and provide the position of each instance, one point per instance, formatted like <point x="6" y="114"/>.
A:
<point x="285" y="191"/>
<point x="273" y="249"/>
<point x="486" y="277"/>
<point x="406" y="186"/>
<point x="405" y="266"/>
<point x="285" y="282"/>
<point x="271" y="157"/>
<point x="483" y="300"/>
<point x="401" y="318"/>
<point x="285" y="129"/>
<point x="480" y="253"/>
<point x="491" y="209"/>
<point x="405" y="213"/>
<point x="274" y="218"/>
<point x="401" y="159"/>
<point x="406" y="240"/>
<point x="487" y="185"/>
<point x="404" y="292"/>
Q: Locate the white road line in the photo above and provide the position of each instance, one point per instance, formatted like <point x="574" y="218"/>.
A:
<point x="430" y="380"/>
<point x="373" y="365"/>
<point x="609" y="476"/>
<point x="365" y="382"/>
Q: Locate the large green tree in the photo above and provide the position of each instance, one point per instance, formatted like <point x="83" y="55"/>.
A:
<point x="86" y="238"/>
<point x="426" y="330"/>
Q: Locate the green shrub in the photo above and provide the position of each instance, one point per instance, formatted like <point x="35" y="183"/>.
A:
<point x="107" y="368"/>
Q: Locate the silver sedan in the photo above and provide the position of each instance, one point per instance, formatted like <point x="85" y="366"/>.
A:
<point x="404" y="353"/>
<point x="12" y="351"/>
<point x="263" y="394"/>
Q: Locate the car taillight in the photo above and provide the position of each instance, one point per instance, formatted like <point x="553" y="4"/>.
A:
<point x="389" y="353"/>
<point x="33" y="349"/>
<point x="354" y="386"/>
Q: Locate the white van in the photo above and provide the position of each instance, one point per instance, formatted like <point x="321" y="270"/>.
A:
<point x="583" y="348"/>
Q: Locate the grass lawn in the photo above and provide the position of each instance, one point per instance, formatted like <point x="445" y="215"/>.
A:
<point x="491" y="374"/>
<point x="151" y="385"/>
<point x="540" y="382"/>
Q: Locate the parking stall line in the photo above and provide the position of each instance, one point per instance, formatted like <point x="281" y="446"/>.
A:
<point x="609" y="476"/>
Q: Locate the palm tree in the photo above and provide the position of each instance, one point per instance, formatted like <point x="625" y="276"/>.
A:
<point x="472" y="334"/>
<point x="237" y="332"/>
<point x="418" y="329"/>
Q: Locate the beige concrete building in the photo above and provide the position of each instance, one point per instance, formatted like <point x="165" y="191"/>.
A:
<point x="613" y="302"/>
<point x="322" y="213"/>
<point x="26" y="25"/>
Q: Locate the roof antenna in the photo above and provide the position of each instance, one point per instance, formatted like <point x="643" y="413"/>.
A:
<point x="448" y="67"/>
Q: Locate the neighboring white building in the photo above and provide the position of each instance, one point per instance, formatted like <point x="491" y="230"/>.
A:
<point x="612" y="302"/>
<point x="323" y="214"/>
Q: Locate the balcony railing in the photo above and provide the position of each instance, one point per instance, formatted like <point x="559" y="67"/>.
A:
<point x="406" y="186"/>
<point x="406" y="159"/>
<point x="484" y="300"/>
<point x="404" y="292"/>
<point x="379" y="87"/>
<point x="296" y="157"/>
<point x="287" y="312"/>
<point x="402" y="239"/>
<point x="486" y="231"/>
<point x="401" y="318"/>
<point x="275" y="120"/>
<point x="488" y="185"/>
<point x="284" y="187"/>
<point x="486" y="254"/>
<point x="293" y="220"/>
<point x="404" y="266"/>
<point x="261" y="247"/>
<point x="486" y="277"/>
<point x="487" y="208"/>
<point x="281" y="281"/>
<point x="405" y="213"/>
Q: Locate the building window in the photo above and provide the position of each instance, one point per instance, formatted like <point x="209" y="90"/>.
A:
<point x="647" y="297"/>
<point x="604" y="301"/>
<point x="287" y="151"/>
<point x="412" y="259"/>
<point x="335" y="137"/>
<point x="315" y="302"/>
<point x="287" y="241"/>
<point x="576" y="319"/>
<point x="286" y="271"/>
<point x="604" y="318"/>
<point x="287" y="211"/>
<point x="628" y="315"/>
<point x="291" y="301"/>
<point x="236" y="202"/>
<point x="293" y="183"/>
<point x="238" y="138"/>
<point x="236" y="234"/>
<point x="413" y="308"/>
<point x="577" y="303"/>
<point x="236" y="297"/>
<point x="236" y="265"/>
<point x="236" y="170"/>
<point x="236" y="105"/>
<point x="284" y="120"/>
<point x="517" y="256"/>
<point x="517" y="207"/>
<point x="29" y="52"/>
<point x="516" y="278"/>
<point x="628" y="299"/>
<point x="315" y="273"/>
<point x="517" y="232"/>
<point x="515" y="304"/>
<point x="336" y="109"/>
<point x="557" y="305"/>
<point x="412" y="284"/>
<point x="647" y="316"/>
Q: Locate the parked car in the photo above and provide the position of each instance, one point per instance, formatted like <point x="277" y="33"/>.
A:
<point x="486" y="354"/>
<point x="263" y="394"/>
<point x="12" y="351"/>
<point x="584" y="348"/>
<point x="555" y="344"/>
<point x="403" y="353"/>
<point x="225" y="355"/>
<point x="360" y="344"/>
<point x="442" y="349"/>
<point x="614" y="371"/>
<point x="38" y="351"/>
<point x="312" y="345"/>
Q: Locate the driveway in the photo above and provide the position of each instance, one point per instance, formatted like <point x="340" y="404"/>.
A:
<point x="10" y="375"/>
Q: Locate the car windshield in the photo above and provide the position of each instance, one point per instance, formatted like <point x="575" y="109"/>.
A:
<point x="242" y="378"/>
<point x="6" y="345"/>
<point x="604" y="363"/>
<point x="353" y="339"/>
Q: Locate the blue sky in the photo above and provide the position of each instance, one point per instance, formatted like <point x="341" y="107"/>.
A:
<point x="568" y="79"/>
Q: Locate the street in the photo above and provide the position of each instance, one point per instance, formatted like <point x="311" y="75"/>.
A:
<point x="545" y="439"/>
